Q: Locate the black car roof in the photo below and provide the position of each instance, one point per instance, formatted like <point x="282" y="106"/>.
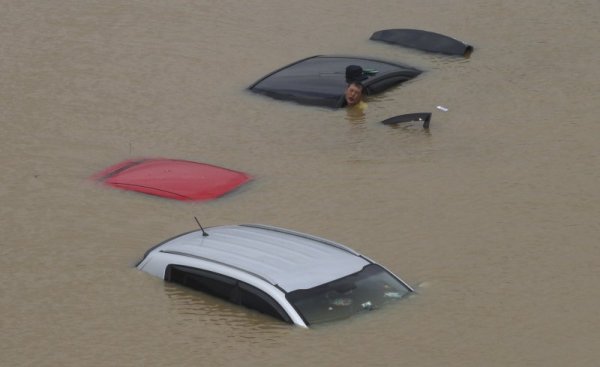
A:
<point x="320" y="80"/>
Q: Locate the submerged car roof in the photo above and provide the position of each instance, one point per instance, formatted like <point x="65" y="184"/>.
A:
<point x="321" y="80"/>
<point x="424" y="40"/>
<point x="172" y="178"/>
<point x="288" y="259"/>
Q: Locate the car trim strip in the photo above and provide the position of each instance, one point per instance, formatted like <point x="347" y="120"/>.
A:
<point x="303" y="235"/>
<point x="221" y="263"/>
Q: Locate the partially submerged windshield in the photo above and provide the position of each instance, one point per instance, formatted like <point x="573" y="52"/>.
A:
<point x="368" y="289"/>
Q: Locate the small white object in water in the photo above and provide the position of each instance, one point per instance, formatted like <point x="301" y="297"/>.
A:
<point x="442" y="108"/>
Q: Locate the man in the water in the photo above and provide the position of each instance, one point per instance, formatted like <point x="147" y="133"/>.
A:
<point x="354" y="90"/>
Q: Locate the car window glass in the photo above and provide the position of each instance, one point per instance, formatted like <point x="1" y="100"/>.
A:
<point x="256" y="299"/>
<point x="204" y="281"/>
<point x="226" y="288"/>
<point x="371" y="288"/>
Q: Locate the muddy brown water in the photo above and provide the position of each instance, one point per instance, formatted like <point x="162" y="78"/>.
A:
<point x="492" y="215"/>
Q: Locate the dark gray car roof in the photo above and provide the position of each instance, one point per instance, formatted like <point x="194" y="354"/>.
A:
<point x="320" y="80"/>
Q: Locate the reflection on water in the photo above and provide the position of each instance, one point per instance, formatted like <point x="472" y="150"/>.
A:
<point x="443" y="62"/>
<point x="411" y="127"/>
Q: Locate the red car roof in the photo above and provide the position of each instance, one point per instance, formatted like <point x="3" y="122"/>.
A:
<point x="172" y="178"/>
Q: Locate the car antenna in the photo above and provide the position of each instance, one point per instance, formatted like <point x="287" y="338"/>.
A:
<point x="204" y="234"/>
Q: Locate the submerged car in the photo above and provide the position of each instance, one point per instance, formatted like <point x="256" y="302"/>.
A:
<point x="321" y="80"/>
<point x="295" y="277"/>
<point x="172" y="178"/>
<point x="424" y="40"/>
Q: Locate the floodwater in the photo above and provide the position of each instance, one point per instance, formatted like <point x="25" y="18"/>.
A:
<point x="492" y="214"/>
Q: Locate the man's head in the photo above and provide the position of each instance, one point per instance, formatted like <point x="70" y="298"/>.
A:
<point x="353" y="93"/>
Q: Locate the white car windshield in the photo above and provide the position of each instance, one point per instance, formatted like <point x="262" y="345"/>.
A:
<point x="370" y="288"/>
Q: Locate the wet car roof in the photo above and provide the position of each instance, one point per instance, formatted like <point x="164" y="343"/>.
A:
<point x="172" y="178"/>
<point x="285" y="258"/>
<point x="320" y="80"/>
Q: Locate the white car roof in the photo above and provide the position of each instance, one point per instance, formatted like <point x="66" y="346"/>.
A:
<point x="287" y="259"/>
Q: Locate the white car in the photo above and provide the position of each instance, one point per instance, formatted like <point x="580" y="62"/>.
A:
<point x="295" y="277"/>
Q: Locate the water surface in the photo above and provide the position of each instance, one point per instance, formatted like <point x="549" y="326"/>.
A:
<point x="492" y="214"/>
